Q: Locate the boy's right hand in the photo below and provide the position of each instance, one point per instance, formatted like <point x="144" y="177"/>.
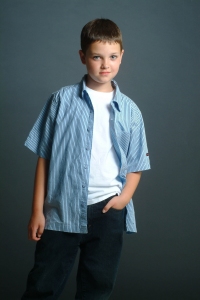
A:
<point x="36" y="227"/>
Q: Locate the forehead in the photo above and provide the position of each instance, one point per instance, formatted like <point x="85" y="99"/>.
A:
<point x="104" y="47"/>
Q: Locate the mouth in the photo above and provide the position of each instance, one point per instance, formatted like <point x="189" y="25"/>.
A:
<point x="104" y="73"/>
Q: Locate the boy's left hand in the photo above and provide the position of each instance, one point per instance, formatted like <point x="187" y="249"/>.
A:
<point x="116" y="202"/>
<point x="119" y="202"/>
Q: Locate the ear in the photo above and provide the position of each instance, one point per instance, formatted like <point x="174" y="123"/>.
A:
<point x="122" y="52"/>
<point x="82" y="57"/>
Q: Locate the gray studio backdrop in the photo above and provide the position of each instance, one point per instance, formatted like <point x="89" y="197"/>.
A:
<point x="160" y="72"/>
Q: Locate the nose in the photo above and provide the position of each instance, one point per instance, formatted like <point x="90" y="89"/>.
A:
<point x="104" y="64"/>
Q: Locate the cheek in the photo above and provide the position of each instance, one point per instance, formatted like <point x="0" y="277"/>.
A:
<point x="116" y="66"/>
<point x="92" y="66"/>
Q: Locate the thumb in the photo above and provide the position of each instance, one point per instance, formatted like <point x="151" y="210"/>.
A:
<point x="107" y="207"/>
<point x="40" y="231"/>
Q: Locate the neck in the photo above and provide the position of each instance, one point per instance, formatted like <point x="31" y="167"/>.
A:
<point x="97" y="86"/>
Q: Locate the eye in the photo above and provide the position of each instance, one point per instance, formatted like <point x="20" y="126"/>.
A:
<point x="96" y="57"/>
<point x="113" y="57"/>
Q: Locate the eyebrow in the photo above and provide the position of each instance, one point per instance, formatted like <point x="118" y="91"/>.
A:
<point x="94" y="53"/>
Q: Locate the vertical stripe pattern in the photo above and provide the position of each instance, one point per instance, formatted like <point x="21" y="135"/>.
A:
<point x="63" y="134"/>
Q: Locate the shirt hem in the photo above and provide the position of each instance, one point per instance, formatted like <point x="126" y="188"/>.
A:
<point x="65" y="228"/>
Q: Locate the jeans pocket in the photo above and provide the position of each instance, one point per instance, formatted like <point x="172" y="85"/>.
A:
<point x="117" y="210"/>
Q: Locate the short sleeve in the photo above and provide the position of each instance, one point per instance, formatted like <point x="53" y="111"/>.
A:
<point x="137" y="156"/>
<point x="40" y="137"/>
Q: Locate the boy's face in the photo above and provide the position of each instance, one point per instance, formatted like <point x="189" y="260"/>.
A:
<point x="102" y="61"/>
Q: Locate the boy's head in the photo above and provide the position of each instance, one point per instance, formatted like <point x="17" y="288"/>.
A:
<point x="102" y="51"/>
<point x="100" y="30"/>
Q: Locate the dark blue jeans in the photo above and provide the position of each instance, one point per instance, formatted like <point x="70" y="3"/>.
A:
<point x="100" y="251"/>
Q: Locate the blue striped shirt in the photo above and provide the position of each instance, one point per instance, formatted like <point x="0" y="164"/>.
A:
<point x="63" y="134"/>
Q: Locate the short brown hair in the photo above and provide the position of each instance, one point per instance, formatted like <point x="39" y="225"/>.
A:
<point x="102" y="30"/>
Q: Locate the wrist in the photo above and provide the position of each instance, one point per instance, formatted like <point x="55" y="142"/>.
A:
<point x="37" y="211"/>
<point x="124" y="199"/>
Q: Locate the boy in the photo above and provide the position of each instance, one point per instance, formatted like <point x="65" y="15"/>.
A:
<point x="91" y="144"/>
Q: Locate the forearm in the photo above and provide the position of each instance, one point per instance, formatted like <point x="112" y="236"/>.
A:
<point x="40" y="185"/>
<point x="132" y="181"/>
<point x="37" y="220"/>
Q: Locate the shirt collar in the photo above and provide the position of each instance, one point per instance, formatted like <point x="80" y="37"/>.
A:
<point x="117" y="97"/>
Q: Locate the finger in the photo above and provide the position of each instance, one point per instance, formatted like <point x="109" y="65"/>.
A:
<point x="30" y="231"/>
<point x="33" y="234"/>
<point x="40" y="231"/>
<point x="107" y="207"/>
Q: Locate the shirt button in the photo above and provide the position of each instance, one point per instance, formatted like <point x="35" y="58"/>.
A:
<point x="83" y="186"/>
<point x="88" y="130"/>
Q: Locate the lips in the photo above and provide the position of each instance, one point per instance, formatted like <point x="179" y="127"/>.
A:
<point x="104" y="73"/>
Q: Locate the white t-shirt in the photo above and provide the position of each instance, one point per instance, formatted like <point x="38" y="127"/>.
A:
<point x="104" y="163"/>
